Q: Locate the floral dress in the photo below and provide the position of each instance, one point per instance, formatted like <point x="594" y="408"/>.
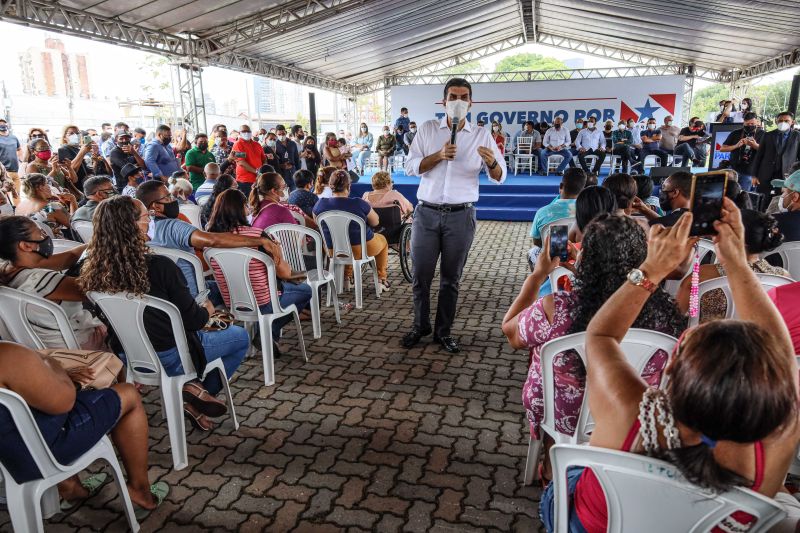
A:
<point x="569" y="373"/>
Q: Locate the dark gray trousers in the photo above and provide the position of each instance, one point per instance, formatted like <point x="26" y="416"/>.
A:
<point x="435" y="233"/>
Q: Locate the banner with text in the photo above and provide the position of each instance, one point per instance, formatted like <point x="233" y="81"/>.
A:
<point x="513" y="103"/>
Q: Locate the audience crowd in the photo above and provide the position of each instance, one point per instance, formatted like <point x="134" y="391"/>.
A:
<point x="728" y="413"/>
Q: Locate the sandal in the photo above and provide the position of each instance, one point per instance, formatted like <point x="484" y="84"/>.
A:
<point x="199" y="398"/>
<point x="160" y="490"/>
<point x="215" y="323"/>
<point x="92" y="484"/>
<point x="198" y="420"/>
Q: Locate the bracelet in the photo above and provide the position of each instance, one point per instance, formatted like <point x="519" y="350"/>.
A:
<point x="493" y="165"/>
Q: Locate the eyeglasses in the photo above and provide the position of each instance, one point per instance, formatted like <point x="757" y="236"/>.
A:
<point x="169" y="197"/>
<point x="110" y="191"/>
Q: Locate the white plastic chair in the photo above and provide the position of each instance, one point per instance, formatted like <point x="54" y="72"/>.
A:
<point x="6" y="208"/>
<point x="292" y="239"/>
<point x="125" y="313"/>
<point x="14" y="306"/>
<point x="591" y="161"/>
<point x="615" y="164"/>
<point x="789" y="253"/>
<point x="197" y="265"/>
<point x="338" y="223"/>
<point x="767" y="281"/>
<point x="553" y="161"/>
<point x="557" y="273"/>
<point x="650" y="161"/>
<point x="46" y="229"/>
<point x="525" y="158"/>
<point x="25" y="499"/>
<point x="192" y="212"/>
<point x="64" y="245"/>
<point x="235" y="266"/>
<point x="84" y="229"/>
<point x="639" y="346"/>
<point x="646" y="494"/>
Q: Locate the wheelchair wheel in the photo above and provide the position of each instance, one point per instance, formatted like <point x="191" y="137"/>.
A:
<point x="405" y="252"/>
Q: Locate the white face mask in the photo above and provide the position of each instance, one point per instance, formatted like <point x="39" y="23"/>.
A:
<point x="668" y="123"/>
<point x="271" y="143"/>
<point x="457" y="109"/>
<point x="73" y="138"/>
<point x="743" y="106"/>
<point x="621" y="127"/>
<point x="630" y="125"/>
<point x="96" y="138"/>
<point x="495" y="128"/>
<point x="363" y="128"/>
<point x="281" y="138"/>
<point x="246" y="135"/>
<point x="386" y="132"/>
<point x="781" y="207"/>
<point x="651" y="126"/>
<point x="591" y="125"/>
<point x="413" y="130"/>
<point x="783" y="126"/>
<point x="284" y="195"/>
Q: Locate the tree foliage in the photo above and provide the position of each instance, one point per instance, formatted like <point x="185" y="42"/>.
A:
<point x="467" y="67"/>
<point x="528" y="61"/>
<point x="768" y="100"/>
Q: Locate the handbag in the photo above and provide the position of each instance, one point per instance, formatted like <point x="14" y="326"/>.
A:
<point x="106" y="365"/>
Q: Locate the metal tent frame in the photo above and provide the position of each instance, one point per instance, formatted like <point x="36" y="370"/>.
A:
<point x="355" y="47"/>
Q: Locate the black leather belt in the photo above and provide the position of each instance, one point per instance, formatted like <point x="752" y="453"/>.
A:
<point x="446" y="208"/>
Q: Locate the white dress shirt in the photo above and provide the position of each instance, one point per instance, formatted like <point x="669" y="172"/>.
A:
<point x="637" y="134"/>
<point x="456" y="181"/>
<point x="590" y="140"/>
<point x="554" y="137"/>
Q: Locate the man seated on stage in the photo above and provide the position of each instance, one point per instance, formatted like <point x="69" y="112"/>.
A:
<point x="556" y="142"/>
<point x="651" y="137"/>
<point x="528" y="131"/>
<point x="669" y="135"/>
<point x="691" y="144"/>
<point x="591" y="141"/>
<point x="636" y="144"/>
<point x="572" y="184"/>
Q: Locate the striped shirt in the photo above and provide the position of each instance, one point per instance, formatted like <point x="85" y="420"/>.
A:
<point x="258" y="273"/>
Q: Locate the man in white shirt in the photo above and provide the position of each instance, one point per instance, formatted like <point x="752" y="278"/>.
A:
<point x="556" y="142"/>
<point x="591" y="141"/>
<point x="444" y="219"/>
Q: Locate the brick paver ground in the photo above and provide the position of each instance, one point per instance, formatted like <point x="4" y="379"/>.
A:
<point x="367" y="436"/>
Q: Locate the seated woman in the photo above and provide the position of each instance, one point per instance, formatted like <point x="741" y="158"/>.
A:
<point x="322" y="187"/>
<point x="266" y="201"/>
<point x="224" y="182"/>
<point x="382" y="194"/>
<point x="385" y="146"/>
<point x="761" y="234"/>
<point x="331" y="153"/>
<point x="40" y="193"/>
<point x="42" y="160"/>
<point x="624" y="188"/>
<point x="612" y="246"/>
<point x="376" y="243"/>
<point x="729" y="415"/>
<point x="32" y="267"/>
<point x="230" y="216"/>
<point x="119" y="260"/>
<point x="71" y="423"/>
<point x="182" y="190"/>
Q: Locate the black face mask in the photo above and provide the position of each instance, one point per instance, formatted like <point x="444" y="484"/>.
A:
<point x="202" y="146"/>
<point x="167" y="140"/>
<point x="171" y="209"/>
<point x="664" y="201"/>
<point x="749" y="129"/>
<point x="45" y="247"/>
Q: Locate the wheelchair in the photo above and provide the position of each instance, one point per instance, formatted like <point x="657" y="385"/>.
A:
<point x="397" y="230"/>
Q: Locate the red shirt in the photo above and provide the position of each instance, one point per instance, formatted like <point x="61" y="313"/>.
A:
<point x="253" y="154"/>
<point x="787" y="299"/>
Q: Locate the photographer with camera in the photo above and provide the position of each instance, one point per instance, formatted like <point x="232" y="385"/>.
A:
<point x="743" y="144"/>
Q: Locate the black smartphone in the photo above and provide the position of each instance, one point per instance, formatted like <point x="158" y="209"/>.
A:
<point x="559" y="235"/>
<point x="708" y="191"/>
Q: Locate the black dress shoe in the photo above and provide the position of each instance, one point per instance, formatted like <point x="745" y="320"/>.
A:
<point x="413" y="337"/>
<point x="449" y="343"/>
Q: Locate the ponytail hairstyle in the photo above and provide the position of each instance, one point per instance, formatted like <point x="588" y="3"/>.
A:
<point x="729" y="380"/>
<point x="624" y="188"/>
<point x="761" y="232"/>
<point x="323" y="177"/>
<point x="340" y="181"/>
<point x="265" y="183"/>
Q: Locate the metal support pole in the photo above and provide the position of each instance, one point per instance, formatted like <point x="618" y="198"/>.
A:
<point x="688" y="95"/>
<point x="387" y="101"/>
<point x="190" y="90"/>
<point x="312" y="114"/>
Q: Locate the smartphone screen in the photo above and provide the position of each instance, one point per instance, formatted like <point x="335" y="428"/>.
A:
<point x="708" y="191"/>
<point x="558" y="242"/>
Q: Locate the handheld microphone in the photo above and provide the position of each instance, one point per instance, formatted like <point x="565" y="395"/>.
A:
<point x="454" y="130"/>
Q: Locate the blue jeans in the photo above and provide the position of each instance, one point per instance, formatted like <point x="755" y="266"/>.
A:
<point x="547" y="508"/>
<point x="360" y="157"/>
<point x="696" y="153"/>
<point x="545" y="153"/>
<point x="298" y="294"/>
<point x="230" y="345"/>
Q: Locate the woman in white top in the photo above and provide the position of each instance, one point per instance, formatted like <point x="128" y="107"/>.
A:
<point x="383" y="195"/>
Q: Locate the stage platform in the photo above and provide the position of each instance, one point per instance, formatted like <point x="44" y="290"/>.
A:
<point x="517" y="199"/>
